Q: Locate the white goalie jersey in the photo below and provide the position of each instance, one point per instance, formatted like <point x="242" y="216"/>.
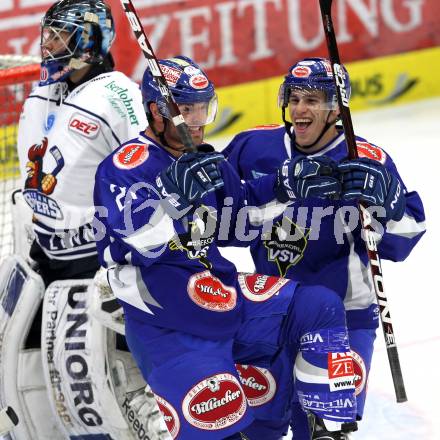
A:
<point x="62" y="138"/>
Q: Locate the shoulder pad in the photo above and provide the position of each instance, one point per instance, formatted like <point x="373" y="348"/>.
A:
<point x="370" y="151"/>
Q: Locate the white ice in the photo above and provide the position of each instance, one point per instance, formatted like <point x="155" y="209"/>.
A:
<point x="411" y="135"/>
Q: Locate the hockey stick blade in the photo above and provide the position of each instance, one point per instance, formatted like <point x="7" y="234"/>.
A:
<point x="365" y="217"/>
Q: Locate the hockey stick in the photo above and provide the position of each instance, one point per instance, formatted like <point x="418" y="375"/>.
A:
<point x="365" y="217"/>
<point x="148" y="52"/>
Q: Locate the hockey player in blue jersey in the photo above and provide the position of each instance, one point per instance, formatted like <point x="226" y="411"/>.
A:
<point x="308" y="241"/>
<point x="189" y="317"/>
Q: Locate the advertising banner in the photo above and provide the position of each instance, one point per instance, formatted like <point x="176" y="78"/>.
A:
<point x="238" y="41"/>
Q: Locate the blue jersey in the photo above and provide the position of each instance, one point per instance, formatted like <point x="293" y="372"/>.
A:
<point x="321" y="249"/>
<point x="169" y="272"/>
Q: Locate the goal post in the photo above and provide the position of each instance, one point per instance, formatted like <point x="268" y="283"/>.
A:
<point x="17" y="75"/>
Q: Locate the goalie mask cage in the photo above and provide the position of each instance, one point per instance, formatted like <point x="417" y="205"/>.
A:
<point x="17" y="75"/>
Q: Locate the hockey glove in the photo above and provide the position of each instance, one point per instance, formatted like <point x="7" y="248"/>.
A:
<point x="304" y="177"/>
<point x="189" y="179"/>
<point x="369" y="180"/>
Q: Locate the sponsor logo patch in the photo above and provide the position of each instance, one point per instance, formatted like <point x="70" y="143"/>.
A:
<point x="210" y="293"/>
<point x="215" y="402"/>
<point x="50" y="121"/>
<point x="84" y="125"/>
<point x="191" y="70"/>
<point x="131" y="156"/>
<point x="301" y="71"/>
<point x="286" y="243"/>
<point x="340" y="371"/>
<point x="369" y="151"/>
<point x="170" y="416"/>
<point x="198" y="82"/>
<point x="360" y="372"/>
<point x="259" y="288"/>
<point x="171" y="74"/>
<point x="258" y="384"/>
<point x="44" y="74"/>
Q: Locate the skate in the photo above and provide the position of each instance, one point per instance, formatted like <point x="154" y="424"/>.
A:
<point x="326" y="430"/>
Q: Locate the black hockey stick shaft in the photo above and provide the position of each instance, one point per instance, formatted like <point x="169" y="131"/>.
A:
<point x="153" y="64"/>
<point x="365" y="217"/>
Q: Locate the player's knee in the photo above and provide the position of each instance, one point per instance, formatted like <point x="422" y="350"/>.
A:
<point x="318" y="307"/>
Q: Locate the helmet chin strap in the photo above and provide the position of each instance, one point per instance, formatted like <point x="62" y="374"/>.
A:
<point x="288" y="126"/>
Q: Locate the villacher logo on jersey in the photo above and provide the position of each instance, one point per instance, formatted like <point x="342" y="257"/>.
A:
<point x="130" y="156"/>
<point x="170" y="416"/>
<point x="259" y="385"/>
<point x="258" y="288"/>
<point x="215" y="402"/>
<point x="210" y="293"/>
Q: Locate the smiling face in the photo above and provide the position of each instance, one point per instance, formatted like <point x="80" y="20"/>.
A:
<point x="309" y="112"/>
<point x="193" y="113"/>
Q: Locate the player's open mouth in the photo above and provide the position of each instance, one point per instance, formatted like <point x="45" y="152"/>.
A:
<point x="302" y="124"/>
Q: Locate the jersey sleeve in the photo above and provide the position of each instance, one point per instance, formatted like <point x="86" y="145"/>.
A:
<point x="130" y="220"/>
<point x="400" y="237"/>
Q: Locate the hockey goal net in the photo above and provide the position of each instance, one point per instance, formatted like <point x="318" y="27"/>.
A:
<point x="17" y="74"/>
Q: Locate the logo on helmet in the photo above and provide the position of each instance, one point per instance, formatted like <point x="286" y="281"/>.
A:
<point x="199" y="82"/>
<point x="191" y="70"/>
<point x="301" y="71"/>
<point x="171" y="74"/>
<point x="215" y="402"/>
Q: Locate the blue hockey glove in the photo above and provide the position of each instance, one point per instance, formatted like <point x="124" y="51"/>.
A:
<point x="190" y="178"/>
<point x="304" y="177"/>
<point x="369" y="180"/>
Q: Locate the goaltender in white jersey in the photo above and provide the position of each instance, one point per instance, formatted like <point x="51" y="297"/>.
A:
<point x="64" y="134"/>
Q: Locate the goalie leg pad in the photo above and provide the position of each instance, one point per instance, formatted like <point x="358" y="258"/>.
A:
<point x="95" y="388"/>
<point x="21" y="372"/>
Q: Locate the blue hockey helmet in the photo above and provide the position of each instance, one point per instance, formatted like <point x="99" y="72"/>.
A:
<point x="309" y="75"/>
<point x="74" y="34"/>
<point x="192" y="90"/>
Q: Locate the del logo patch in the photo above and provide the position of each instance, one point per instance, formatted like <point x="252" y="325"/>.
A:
<point x="258" y="384"/>
<point x="258" y="288"/>
<point x="170" y="416"/>
<point x="84" y="126"/>
<point x="369" y="151"/>
<point x="131" y="156"/>
<point x="210" y="293"/>
<point x="215" y="402"/>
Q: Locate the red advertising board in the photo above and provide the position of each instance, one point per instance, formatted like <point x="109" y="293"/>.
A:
<point x="243" y="40"/>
